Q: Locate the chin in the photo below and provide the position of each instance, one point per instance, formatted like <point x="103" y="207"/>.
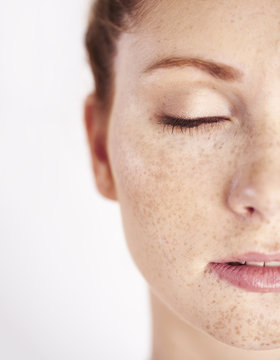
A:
<point x="246" y="342"/>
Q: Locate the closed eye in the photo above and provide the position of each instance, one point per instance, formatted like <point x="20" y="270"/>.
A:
<point x="188" y="123"/>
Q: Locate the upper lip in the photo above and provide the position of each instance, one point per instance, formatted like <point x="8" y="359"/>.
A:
<point x="250" y="256"/>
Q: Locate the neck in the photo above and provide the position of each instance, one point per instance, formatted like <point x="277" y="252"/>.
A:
<point x="177" y="340"/>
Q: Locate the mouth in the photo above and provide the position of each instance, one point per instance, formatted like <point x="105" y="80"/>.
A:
<point x="254" y="263"/>
<point x="253" y="272"/>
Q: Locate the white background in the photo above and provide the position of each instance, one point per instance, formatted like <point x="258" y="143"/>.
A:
<point x="68" y="286"/>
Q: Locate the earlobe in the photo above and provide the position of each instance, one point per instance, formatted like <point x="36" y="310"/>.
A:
<point x="96" y="129"/>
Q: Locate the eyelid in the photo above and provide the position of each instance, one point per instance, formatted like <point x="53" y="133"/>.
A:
<point x="198" y="118"/>
<point x="190" y="124"/>
<point x="166" y="119"/>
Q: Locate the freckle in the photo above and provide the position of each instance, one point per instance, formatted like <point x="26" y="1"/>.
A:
<point x="237" y="330"/>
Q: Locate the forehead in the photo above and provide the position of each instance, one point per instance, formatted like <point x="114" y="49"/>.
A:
<point x="244" y="34"/>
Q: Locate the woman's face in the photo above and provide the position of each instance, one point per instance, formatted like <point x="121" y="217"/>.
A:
<point x="184" y="195"/>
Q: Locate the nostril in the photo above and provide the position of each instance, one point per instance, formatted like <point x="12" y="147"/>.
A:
<point x="250" y="209"/>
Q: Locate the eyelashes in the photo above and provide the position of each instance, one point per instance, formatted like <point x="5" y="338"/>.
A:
<point x="191" y="125"/>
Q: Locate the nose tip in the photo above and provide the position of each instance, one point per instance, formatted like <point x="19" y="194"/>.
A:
<point x="255" y="196"/>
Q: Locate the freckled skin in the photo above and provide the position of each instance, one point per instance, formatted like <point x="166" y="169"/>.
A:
<point x="183" y="196"/>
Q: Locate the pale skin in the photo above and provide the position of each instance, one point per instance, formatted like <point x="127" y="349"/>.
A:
<point x="184" y="197"/>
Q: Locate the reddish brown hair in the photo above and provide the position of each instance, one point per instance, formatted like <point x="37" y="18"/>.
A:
<point x="108" y="19"/>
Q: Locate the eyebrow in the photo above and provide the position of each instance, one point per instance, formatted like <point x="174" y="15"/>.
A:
<point x="217" y="70"/>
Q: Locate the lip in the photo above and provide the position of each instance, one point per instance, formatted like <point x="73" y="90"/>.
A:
<point x="249" y="277"/>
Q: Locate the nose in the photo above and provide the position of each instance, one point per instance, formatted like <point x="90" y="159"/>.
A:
<point x="254" y="191"/>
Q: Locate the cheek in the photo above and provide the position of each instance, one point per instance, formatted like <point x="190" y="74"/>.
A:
<point x="164" y="201"/>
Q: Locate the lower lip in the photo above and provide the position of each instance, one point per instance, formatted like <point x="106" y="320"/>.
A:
<point x="249" y="277"/>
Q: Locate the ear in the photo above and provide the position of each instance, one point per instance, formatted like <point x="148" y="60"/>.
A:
<point x="95" y="122"/>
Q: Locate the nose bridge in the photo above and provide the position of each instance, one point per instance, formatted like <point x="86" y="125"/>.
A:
<point x="263" y="158"/>
<point x="255" y="185"/>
